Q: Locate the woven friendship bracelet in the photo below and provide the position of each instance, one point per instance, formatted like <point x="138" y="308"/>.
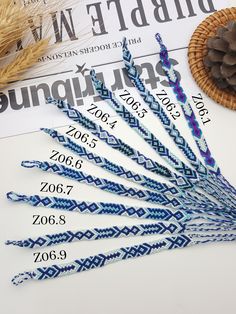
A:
<point x="142" y="131"/>
<point x="170" y="127"/>
<point x="118" y="232"/>
<point x="107" y="185"/>
<point x="157" y="109"/>
<point x="186" y="108"/>
<point x="162" y="214"/>
<point x="190" y="117"/>
<point x="119" y="145"/>
<point x="105" y="208"/>
<point x="100" y="260"/>
<point x="100" y="233"/>
<point x="124" y="173"/>
<point x="135" y="124"/>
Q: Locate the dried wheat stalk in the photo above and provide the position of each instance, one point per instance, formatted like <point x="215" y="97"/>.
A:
<point x="27" y="58"/>
<point x="12" y="24"/>
<point x="13" y="27"/>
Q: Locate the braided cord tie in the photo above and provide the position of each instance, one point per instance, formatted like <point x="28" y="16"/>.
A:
<point x="223" y="182"/>
<point x="190" y="117"/>
<point x="210" y="188"/>
<point x="103" y="259"/>
<point x="117" y="144"/>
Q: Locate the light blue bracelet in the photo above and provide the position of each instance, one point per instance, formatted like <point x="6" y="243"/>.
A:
<point x="190" y="117"/>
<point x="157" y="109"/>
<point x="139" y="250"/>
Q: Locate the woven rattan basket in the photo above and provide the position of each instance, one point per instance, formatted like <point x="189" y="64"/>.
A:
<point x="198" y="50"/>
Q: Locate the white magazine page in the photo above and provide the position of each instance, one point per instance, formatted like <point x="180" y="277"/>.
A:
<point x="89" y="33"/>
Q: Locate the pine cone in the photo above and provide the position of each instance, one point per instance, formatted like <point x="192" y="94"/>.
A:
<point x="221" y="57"/>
